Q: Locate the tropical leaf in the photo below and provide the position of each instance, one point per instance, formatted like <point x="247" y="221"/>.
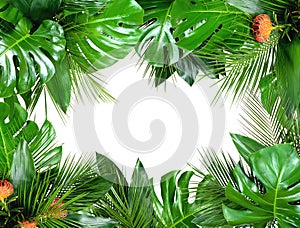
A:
<point x="276" y="168"/>
<point x="201" y="22"/>
<point x="175" y="210"/>
<point x="8" y="13"/>
<point x="22" y="168"/>
<point x="71" y="188"/>
<point x="24" y="55"/>
<point x="157" y="45"/>
<point x="288" y="73"/>
<point x="37" y="10"/>
<point x="130" y="206"/>
<point x="246" y="146"/>
<point x="14" y="128"/>
<point x="247" y="6"/>
<point x="59" y="86"/>
<point x="210" y="196"/>
<point x="89" y="221"/>
<point x="98" y="40"/>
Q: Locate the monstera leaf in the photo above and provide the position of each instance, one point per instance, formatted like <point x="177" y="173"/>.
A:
<point x="157" y="45"/>
<point x="277" y="169"/>
<point x="9" y="13"/>
<point x="98" y="40"/>
<point x="175" y="209"/>
<point x="14" y="127"/>
<point x="24" y="55"/>
<point x="38" y="10"/>
<point x="198" y="23"/>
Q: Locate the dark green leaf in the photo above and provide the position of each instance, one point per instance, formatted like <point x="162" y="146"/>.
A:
<point x="277" y="169"/>
<point x="38" y="10"/>
<point x="189" y="67"/>
<point x="59" y="86"/>
<point x="23" y="56"/>
<point x="92" y="222"/>
<point x="22" y="168"/>
<point x="96" y="41"/>
<point x="246" y="146"/>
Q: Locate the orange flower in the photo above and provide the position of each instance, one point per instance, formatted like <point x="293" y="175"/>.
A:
<point x="6" y="189"/>
<point x="262" y="27"/>
<point x="28" y="224"/>
<point x="62" y="213"/>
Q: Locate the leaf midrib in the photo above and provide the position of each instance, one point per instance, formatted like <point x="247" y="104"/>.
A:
<point x="14" y="44"/>
<point x="276" y="193"/>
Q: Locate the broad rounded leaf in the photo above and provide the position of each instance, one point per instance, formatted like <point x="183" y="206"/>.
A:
<point x="98" y="40"/>
<point x="198" y="23"/>
<point x="277" y="169"/>
<point x="157" y="45"/>
<point x="23" y="56"/>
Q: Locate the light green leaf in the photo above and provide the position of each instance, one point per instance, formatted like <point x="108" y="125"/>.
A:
<point x="23" y="56"/>
<point x="277" y="169"/>
<point x="201" y="22"/>
<point x="22" y="168"/>
<point x="98" y="40"/>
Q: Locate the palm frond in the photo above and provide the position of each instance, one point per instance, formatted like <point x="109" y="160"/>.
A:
<point x="264" y="127"/>
<point x="244" y="68"/>
<point x="130" y="206"/>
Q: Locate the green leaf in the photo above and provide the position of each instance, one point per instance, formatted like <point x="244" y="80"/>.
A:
<point x="89" y="221"/>
<point x="14" y="127"/>
<point x="277" y="169"/>
<point x="157" y="45"/>
<point x="247" y="6"/>
<point x="130" y="206"/>
<point x="246" y="146"/>
<point x="98" y="40"/>
<point x="202" y="22"/>
<point x="59" y="86"/>
<point x="139" y="197"/>
<point x="9" y="13"/>
<point x="38" y="10"/>
<point x="22" y="168"/>
<point x="45" y="155"/>
<point x="288" y="73"/>
<point x="12" y="130"/>
<point x="175" y="209"/>
<point x="23" y="56"/>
